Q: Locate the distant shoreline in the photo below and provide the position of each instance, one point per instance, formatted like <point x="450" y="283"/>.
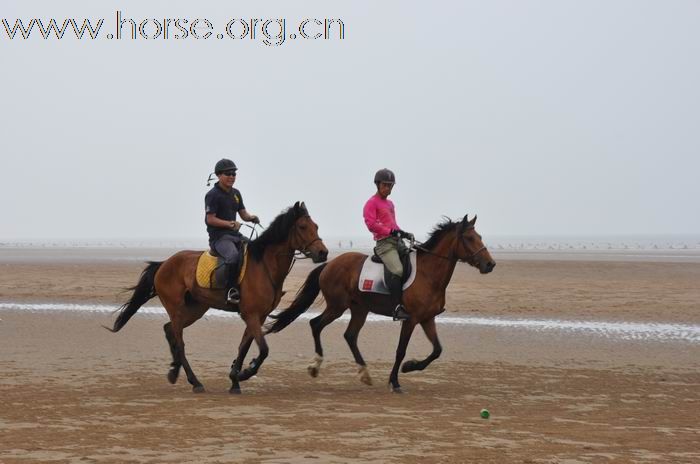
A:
<point x="549" y="243"/>
<point x="613" y="248"/>
<point x="124" y="254"/>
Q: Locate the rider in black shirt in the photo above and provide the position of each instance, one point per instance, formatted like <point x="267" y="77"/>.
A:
<point x="222" y="203"/>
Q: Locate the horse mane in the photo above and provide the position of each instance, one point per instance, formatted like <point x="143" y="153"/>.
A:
<point x="276" y="232"/>
<point x="441" y="229"/>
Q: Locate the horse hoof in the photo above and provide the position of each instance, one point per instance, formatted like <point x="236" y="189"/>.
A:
<point x="395" y="389"/>
<point x="313" y="371"/>
<point x="364" y="376"/>
<point x="172" y="377"/>
<point x="235" y="390"/>
<point x="409" y="366"/>
<point x="243" y="376"/>
<point x="198" y="389"/>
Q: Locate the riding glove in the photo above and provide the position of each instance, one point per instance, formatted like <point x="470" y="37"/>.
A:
<point x="402" y="234"/>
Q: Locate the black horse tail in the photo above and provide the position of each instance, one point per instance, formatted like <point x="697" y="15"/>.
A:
<point x="143" y="291"/>
<point x="305" y="298"/>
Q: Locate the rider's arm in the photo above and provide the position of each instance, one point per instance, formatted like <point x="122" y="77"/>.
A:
<point x="243" y="213"/>
<point x="214" y="221"/>
<point x="246" y="216"/>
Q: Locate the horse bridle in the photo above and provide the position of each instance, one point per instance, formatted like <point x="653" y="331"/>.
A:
<point x="463" y="240"/>
<point x="453" y="253"/>
<point x="304" y="250"/>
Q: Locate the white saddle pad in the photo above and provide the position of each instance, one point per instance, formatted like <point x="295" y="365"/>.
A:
<point x="372" y="276"/>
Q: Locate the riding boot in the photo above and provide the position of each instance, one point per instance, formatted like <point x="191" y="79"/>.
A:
<point x="396" y="290"/>
<point x="233" y="296"/>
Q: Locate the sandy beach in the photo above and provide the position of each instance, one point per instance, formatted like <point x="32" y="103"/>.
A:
<point x="73" y="392"/>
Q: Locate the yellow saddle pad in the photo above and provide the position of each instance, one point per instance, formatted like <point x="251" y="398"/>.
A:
<point x="207" y="264"/>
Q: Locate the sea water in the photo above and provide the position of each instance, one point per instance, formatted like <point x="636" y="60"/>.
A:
<point x="639" y="331"/>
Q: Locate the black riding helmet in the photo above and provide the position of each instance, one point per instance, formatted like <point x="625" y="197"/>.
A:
<point x="384" y="175"/>
<point x="221" y="166"/>
<point x="224" y="165"/>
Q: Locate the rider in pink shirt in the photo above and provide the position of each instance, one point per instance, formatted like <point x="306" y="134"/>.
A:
<point x="380" y="219"/>
<point x="380" y="216"/>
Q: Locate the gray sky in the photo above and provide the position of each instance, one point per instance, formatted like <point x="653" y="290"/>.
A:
<point x="544" y="117"/>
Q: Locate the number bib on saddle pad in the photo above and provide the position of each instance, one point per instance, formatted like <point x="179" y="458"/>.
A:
<point x="211" y="271"/>
<point x="372" y="276"/>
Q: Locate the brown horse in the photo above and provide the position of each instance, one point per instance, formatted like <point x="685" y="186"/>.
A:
<point x="424" y="299"/>
<point x="270" y="258"/>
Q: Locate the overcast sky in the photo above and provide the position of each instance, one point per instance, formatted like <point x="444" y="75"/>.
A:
<point x="544" y="117"/>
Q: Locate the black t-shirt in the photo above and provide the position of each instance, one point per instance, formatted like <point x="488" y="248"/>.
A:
<point x="224" y="205"/>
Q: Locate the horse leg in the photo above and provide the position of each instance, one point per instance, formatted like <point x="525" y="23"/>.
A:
<point x="357" y="320"/>
<point x="406" y="331"/>
<point x="315" y="366"/>
<point x="237" y="364"/>
<point x="175" y="365"/>
<point x="254" y="365"/>
<point x="317" y="325"/>
<point x="181" y="316"/>
<point x="254" y="329"/>
<point x="177" y="328"/>
<point x="431" y="333"/>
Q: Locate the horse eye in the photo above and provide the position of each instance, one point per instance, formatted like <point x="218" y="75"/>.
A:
<point x="302" y="227"/>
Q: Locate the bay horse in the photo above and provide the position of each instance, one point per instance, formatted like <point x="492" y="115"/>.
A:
<point x="269" y="260"/>
<point x="338" y="279"/>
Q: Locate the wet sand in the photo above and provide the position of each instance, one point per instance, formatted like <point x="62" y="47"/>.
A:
<point x="72" y="392"/>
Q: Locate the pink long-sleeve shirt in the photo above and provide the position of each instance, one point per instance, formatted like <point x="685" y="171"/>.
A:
<point x="380" y="216"/>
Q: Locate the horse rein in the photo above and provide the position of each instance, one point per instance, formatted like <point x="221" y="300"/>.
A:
<point x="253" y="230"/>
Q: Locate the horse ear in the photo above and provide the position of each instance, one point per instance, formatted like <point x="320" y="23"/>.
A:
<point x="296" y="206"/>
<point x="473" y="221"/>
<point x="463" y="223"/>
<point x="302" y="205"/>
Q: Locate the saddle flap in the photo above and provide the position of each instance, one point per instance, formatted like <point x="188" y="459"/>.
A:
<point x="211" y="270"/>
<point x="207" y="265"/>
<point x="372" y="276"/>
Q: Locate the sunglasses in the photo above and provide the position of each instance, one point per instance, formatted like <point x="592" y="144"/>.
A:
<point x="228" y="173"/>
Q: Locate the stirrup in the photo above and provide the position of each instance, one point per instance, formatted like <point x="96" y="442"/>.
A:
<point x="233" y="297"/>
<point x="400" y="313"/>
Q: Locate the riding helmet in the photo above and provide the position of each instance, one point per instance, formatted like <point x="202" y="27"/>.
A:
<point x="225" y="165"/>
<point x="384" y="175"/>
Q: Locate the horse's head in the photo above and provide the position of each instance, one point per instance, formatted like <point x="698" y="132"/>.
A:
<point x="304" y="235"/>
<point x="471" y="249"/>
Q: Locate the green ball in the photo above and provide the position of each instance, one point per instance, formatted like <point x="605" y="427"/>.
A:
<point x="485" y="413"/>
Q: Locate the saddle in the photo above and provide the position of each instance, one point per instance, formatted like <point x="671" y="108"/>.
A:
<point x="211" y="268"/>
<point x="373" y="274"/>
